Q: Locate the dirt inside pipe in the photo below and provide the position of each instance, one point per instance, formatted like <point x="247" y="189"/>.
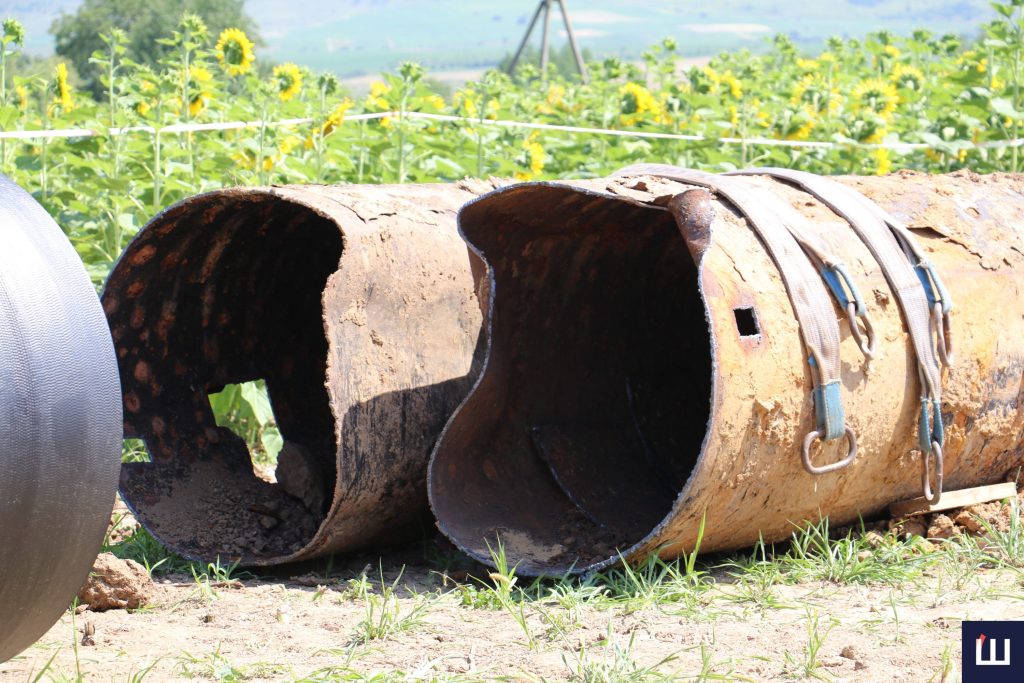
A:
<point x="224" y="289"/>
<point x="580" y="436"/>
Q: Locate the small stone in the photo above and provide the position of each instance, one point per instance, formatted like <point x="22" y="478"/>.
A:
<point x="873" y="539"/>
<point x="115" y="584"/>
<point x="941" y="527"/>
<point x="849" y="652"/>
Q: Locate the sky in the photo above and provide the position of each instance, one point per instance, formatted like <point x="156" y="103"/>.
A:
<point x="353" y="37"/>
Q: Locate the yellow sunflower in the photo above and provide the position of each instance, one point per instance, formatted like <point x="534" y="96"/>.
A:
<point x="235" y="51"/>
<point x="883" y="164"/>
<point x="537" y="155"/>
<point x="199" y="81"/>
<point x="813" y="91"/>
<point x="908" y="77"/>
<point x="378" y="89"/>
<point x="62" y="89"/>
<point x="336" y="117"/>
<point x="289" y="80"/>
<point x="876" y="96"/>
<point x="637" y="103"/>
<point x="22" y="94"/>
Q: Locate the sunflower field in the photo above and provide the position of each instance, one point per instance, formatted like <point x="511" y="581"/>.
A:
<point x="935" y="103"/>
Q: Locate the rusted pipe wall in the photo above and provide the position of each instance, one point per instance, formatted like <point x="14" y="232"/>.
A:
<point x="358" y="307"/>
<point x="630" y="391"/>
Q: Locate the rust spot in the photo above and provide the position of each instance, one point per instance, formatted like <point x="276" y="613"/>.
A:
<point x="170" y="261"/>
<point x="163" y="327"/>
<point x="138" y="317"/>
<point x="159" y="426"/>
<point x="490" y="470"/>
<point x="141" y="372"/>
<point x="132" y="402"/>
<point x="135" y="288"/>
<point x="143" y="255"/>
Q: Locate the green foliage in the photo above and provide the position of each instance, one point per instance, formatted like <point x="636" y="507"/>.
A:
<point x="245" y="409"/>
<point x="77" y="36"/>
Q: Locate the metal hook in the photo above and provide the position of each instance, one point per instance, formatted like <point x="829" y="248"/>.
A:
<point x="930" y="495"/>
<point x="867" y="347"/>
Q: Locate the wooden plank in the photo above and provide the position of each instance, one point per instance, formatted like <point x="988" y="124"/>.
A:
<point x="954" y="499"/>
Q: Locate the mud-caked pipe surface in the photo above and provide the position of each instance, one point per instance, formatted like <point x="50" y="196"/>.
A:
<point x="642" y="377"/>
<point x="60" y="422"/>
<point x="356" y="305"/>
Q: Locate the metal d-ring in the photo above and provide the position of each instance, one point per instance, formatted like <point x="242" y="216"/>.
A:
<point x="932" y="496"/>
<point x="851" y="438"/>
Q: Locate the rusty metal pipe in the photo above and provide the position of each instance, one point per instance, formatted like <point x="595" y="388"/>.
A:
<point x="642" y="375"/>
<point x="358" y="307"/>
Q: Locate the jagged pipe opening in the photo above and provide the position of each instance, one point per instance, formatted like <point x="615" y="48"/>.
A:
<point x="223" y="289"/>
<point x="592" y="409"/>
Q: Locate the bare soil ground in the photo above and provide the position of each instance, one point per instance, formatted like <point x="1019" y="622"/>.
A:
<point x="892" y="613"/>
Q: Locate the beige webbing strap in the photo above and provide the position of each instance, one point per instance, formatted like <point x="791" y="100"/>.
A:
<point x="771" y="219"/>
<point x="917" y="288"/>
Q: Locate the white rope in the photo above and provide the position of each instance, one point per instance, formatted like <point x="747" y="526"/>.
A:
<point x="179" y="128"/>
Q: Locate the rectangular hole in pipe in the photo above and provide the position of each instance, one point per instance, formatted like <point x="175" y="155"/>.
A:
<point x="746" y="322"/>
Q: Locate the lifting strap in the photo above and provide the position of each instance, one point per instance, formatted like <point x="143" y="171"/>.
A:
<point x="919" y="290"/>
<point x="783" y="231"/>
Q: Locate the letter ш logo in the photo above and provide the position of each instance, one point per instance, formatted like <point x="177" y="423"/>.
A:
<point x="988" y="655"/>
<point x="990" y="659"/>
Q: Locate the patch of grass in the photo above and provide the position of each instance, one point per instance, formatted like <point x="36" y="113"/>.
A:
<point x="815" y="556"/>
<point x="806" y="664"/>
<point x="384" y="616"/>
<point x="143" y="548"/>
<point x="215" y="575"/>
<point x="755" y="578"/>
<point x="947" y="667"/>
<point x="1003" y="547"/>
<point x="708" y="668"/>
<point x="511" y="598"/>
<point x="213" y="666"/>
<point x="616" y="666"/>
<point x="358" y="588"/>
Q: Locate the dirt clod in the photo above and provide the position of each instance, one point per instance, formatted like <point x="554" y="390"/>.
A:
<point x="941" y="527"/>
<point x="849" y="652"/>
<point x="115" y="584"/>
<point x="975" y="517"/>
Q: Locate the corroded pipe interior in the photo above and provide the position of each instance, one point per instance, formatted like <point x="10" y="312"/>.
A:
<point x="591" y="416"/>
<point x="224" y="289"/>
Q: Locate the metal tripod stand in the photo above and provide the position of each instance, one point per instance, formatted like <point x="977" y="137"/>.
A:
<point x="545" y="8"/>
